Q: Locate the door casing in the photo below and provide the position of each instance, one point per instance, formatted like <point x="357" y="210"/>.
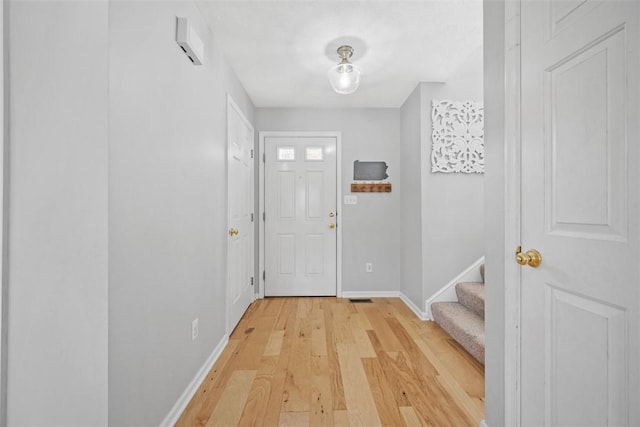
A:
<point x="503" y="79"/>
<point x="259" y="214"/>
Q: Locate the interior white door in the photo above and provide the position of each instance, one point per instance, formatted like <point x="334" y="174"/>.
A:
<point x="580" y="162"/>
<point x="240" y="230"/>
<point x="300" y="216"/>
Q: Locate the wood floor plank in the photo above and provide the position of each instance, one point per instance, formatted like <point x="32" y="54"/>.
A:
<point x="321" y="413"/>
<point x="274" y="344"/>
<point x="341" y="328"/>
<point x="384" y="333"/>
<point x="294" y="419"/>
<point x="362" y="319"/>
<point x="464" y="368"/>
<point x="430" y="401"/>
<point x="341" y="418"/>
<point x="272" y="307"/>
<point x="335" y="375"/>
<point x="255" y="345"/>
<point x="360" y="337"/>
<point x="422" y="365"/>
<point x="301" y="361"/>
<point x="318" y="333"/>
<point x="360" y="403"/>
<point x="381" y="391"/>
<point x="297" y="393"/>
<point x="289" y="306"/>
<point x="228" y="411"/>
<point x="304" y="308"/>
<point x="473" y="406"/>
<point x="409" y="416"/>
<point x="258" y="398"/>
<point x="274" y="404"/>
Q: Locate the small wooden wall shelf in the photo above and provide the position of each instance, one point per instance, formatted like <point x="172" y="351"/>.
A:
<point x="382" y="187"/>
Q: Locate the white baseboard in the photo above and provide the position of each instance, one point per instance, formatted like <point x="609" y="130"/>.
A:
<point x="483" y="423"/>
<point x="370" y="294"/>
<point x="421" y="314"/>
<point x="185" y="398"/>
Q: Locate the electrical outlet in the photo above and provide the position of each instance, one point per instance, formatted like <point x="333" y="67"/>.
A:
<point x="369" y="267"/>
<point x="194" y="329"/>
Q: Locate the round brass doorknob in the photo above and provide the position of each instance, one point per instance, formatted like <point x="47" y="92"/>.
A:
<point x="532" y="258"/>
<point x="233" y="232"/>
<point x="332" y="225"/>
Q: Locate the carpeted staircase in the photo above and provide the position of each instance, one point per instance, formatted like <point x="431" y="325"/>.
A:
<point x="464" y="320"/>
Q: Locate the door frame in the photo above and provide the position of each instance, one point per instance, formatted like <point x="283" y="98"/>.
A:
<point x="502" y="72"/>
<point x="513" y="211"/>
<point x="231" y="104"/>
<point x="260" y="213"/>
<point x="4" y="208"/>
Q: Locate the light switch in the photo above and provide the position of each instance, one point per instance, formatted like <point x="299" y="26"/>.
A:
<point x="351" y="200"/>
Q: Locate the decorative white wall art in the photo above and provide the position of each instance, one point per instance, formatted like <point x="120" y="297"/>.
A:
<point x="458" y="136"/>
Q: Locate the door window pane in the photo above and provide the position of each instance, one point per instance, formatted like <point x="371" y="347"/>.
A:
<point x="286" y="154"/>
<point x="313" y="154"/>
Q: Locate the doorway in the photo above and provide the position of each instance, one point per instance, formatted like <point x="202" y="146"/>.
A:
<point x="300" y="249"/>
<point x="240" y="199"/>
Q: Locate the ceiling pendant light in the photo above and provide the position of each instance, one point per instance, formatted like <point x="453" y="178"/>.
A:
<point x="345" y="76"/>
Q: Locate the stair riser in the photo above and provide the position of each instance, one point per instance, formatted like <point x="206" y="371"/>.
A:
<point x="463" y="325"/>
<point x="471" y="295"/>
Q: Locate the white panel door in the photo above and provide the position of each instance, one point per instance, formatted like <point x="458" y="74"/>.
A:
<point x="300" y="216"/>
<point x="580" y="162"/>
<point x="240" y="231"/>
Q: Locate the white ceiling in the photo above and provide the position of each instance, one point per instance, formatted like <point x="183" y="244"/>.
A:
<point x="281" y="50"/>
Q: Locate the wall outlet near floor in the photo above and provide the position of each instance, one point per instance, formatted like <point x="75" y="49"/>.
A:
<point x="369" y="267"/>
<point x="194" y="329"/>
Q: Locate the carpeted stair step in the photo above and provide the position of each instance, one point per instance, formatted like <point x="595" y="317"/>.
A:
<point x="465" y="326"/>
<point x="471" y="295"/>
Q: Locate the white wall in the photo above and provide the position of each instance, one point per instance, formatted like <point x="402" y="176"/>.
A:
<point x="442" y="214"/>
<point x="371" y="229"/>
<point x="411" y="148"/>
<point x="167" y="207"/>
<point x="57" y="349"/>
<point x="452" y="204"/>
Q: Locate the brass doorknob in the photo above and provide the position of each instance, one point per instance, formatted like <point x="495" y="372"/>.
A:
<point x="332" y="225"/>
<point x="233" y="232"/>
<point x="532" y="257"/>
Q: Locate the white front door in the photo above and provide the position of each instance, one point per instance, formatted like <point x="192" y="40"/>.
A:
<point x="240" y="230"/>
<point x="579" y="207"/>
<point x="300" y="216"/>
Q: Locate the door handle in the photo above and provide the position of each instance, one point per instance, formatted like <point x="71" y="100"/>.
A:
<point x="532" y="257"/>
<point x="332" y="225"/>
<point x="233" y="232"/>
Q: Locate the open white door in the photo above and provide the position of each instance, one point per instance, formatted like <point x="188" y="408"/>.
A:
<point x="580" y="163"/>
<point x="300" y="215"/>
<point x="240" y="203"/>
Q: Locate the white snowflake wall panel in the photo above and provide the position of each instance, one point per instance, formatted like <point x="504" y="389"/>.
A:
<point x="458" y="136"/>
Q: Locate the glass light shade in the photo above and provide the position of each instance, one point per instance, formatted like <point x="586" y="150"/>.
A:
<point x="344" y="78"/>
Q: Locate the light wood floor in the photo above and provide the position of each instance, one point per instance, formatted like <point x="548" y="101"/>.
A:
<point x="326" y="361"/>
